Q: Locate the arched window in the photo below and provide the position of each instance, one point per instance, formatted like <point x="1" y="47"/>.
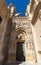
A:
<point x="0" y="19"/>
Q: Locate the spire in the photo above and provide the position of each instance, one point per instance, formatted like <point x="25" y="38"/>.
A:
<point x="12" y="10"/>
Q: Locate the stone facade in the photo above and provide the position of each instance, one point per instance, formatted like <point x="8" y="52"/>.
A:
<point x="20" y="37"/>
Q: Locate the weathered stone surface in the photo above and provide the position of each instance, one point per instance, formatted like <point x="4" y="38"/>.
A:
<point x="20" y="30"/>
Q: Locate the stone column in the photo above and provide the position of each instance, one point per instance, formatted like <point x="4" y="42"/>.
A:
<point x="12" y="45"/>
<point x="5" y="41"/>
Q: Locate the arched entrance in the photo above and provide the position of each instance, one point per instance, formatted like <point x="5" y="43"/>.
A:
<point x="20" y="50"/>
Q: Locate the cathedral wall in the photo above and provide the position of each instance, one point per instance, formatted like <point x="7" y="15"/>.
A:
<point x="23" y="27"/>
<point x="37" y="38"/>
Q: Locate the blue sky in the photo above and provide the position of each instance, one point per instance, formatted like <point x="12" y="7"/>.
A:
<point x="20" y="4"/>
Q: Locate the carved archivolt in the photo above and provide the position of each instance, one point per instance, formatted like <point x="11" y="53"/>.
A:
<point x="36" y="13"/>
<point x="21" y="34"/>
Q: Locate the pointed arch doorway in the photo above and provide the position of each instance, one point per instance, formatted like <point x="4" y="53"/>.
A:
<point x="20" y="50"/>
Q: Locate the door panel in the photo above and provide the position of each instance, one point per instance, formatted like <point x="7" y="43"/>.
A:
<point x="20" y="52"/>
